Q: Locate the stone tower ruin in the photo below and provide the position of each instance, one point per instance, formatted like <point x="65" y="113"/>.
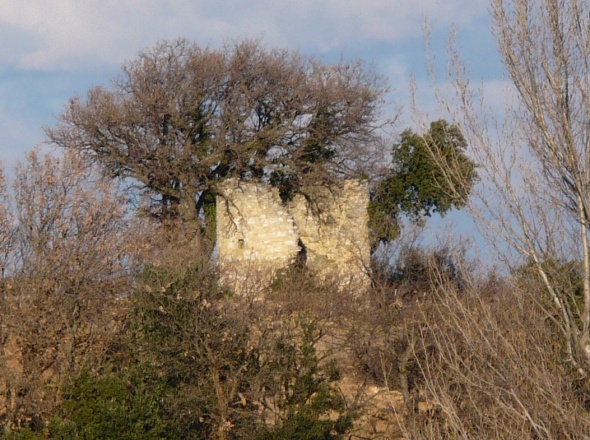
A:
<point x="258" y="234"/>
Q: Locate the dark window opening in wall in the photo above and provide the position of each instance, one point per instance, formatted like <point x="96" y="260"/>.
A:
<point x="241" y="243"/>
<point x="301" y="258"/>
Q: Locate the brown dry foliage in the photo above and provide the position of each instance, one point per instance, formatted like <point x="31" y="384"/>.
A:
<point x="494" y="368"/>
<point x="181" y="117"/>
<point x="533" y="202"/>
<point x="474" y="359"/>
<point x="471" y="357"/>
<point x="72" y="252"/>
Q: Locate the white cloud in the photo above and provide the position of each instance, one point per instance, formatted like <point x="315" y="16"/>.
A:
<point x="66" y="34"/>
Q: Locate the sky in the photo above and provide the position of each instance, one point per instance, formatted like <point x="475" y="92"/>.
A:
<point x="53" y="50"/>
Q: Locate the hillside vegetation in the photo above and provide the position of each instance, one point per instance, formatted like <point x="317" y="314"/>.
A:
<point x="113" y="321"/>
<point x="115" y="326"/>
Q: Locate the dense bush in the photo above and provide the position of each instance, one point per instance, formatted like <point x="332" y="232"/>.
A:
<point x="116" y="405"/>
<point x="303" y="393"/>
<point x="194" y="362"/>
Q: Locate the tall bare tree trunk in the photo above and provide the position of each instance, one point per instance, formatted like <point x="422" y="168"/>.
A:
<point x="535" y="160"/>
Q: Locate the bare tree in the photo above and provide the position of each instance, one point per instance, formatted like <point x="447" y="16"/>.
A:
<point x="6" y="226"/>
<point x="492" y="368"/>
<point x="71" y="252"/>
<point x="181" y="117"/>
<point x="535" y="164"/>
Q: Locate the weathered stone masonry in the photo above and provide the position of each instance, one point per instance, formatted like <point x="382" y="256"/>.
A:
<point x="257" y="234"/>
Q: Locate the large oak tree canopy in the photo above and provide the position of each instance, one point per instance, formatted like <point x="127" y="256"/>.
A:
<point x="180" y="117"/>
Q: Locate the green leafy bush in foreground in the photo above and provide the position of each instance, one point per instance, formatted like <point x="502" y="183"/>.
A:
<point x="195" y="363"/>
<point x="110" y="406"/>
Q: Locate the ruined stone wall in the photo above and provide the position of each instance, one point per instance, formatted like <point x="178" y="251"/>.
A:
<point x="257" y="234"/>
<point x="334" y="229"/>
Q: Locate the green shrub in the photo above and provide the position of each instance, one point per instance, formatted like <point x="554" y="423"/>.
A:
<point x="304" y="391"/>
<point x="193" y="362"/>
<point x="110" y="406"/>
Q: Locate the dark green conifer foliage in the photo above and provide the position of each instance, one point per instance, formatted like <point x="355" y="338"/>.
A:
<point x="430" y="174"/>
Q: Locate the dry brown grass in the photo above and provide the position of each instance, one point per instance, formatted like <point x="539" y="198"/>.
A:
<point x="446" y="359"/>
<point x="493" y="368"/>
